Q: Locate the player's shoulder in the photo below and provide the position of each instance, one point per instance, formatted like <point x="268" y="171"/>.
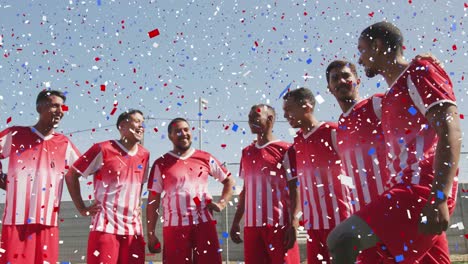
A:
<point x="328" y="125"/>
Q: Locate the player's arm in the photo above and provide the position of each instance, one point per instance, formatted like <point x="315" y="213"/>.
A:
<point x="294" y="198"/>
<point x="444" y="119"/>
<point x="3" y="180"/>
<point x="152" y="215"/>
<point x="235" y="227"/>
<point x="226" y="195"/>
<point x="73" y="185"/>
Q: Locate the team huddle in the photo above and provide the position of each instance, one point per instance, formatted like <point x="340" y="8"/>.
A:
<point x="378" y="186"/>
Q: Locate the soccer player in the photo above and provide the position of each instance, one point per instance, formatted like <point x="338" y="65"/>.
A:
<point x="423" y="138"/>
<point x="189" y="230"/>
<point x="317" y="167"/>
<point x="120" y="168"/>
<point x="269" y="197"/>
<point x="39" y="159"/>
<point x="361" y="145"/>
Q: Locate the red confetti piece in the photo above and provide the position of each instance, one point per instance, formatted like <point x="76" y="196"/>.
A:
<point x="466" y="5"/>
<point x="156" y="129"/>
<point x="274" y="28"/>
<point x="157" y="246"/>
<point x="153" y="33"/>
<point x="371" y="14"/>
<point x="462" y="116"/>
<point x="454" y="47"/>
<point x="89" y="183"/>
<point x="223" y="145"/>
<point x="97" y="59"/>
<point x="466" y="236"/>
<point x="410" y="1"/>
<point x="113" y="111"/>
<point x="256" y="44"/>
<point x="64" y="108"/>
<point x="103" y="87"/>
<point x="305" y="13"/>
<point x="197" y="201"/>
<point x="8" y="120"/>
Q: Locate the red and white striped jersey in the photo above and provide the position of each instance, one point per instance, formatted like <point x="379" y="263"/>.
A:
<point x="185" y="183"/>
<point x="361" y="146"/>
<point x="411" y="142"/>
<point x="265" y="171"/>
<point x="118" y="178"/>
<point x="36" y="170"/>
<point x="317" y="166"/>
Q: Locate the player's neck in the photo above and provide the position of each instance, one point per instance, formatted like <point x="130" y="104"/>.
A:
<point x="181" y="152"/>
<point x="44" y="129"/>
<point x="263" y="139"/>
<point x="345" y="105"/>
<point x="130" y="145"/>
<point x="309" y="124"/>
<point x="394" y="69"/>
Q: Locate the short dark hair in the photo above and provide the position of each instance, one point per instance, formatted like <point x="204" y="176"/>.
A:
<point x="175" y="120"/>
<point x="44" y="95"/>
<point x="338" y="64"/>
<point x="125" y="115"/>
<point x="388" y="33"/>
<point x="268" y="107"/>
<point x="301" y="95"/>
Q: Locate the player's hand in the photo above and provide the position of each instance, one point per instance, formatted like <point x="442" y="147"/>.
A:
<point x="436" y="217"/>
<point x="217" y="207"/>
<point x="430" y="56"/>
<point x="235" y="233"/>
<point x="290" y="236"/>
<point x="154" y="246"/>
<point x="91" y="210"/>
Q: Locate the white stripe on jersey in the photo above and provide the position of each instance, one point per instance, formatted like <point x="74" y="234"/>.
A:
<point x="362" y="176"/>
<point x="334" y="201"/>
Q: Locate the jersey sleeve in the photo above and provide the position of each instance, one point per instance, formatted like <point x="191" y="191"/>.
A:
<point x="429" y="85"/>
<point x="155" y="181"/>
<point x="217" y="170"/>
<point x="90" y="162"/>
<point x="146" y="168"/>
<point x="377" y="105"/>
<point x="72" y="153"/>
<point x="5" y="143"/>
<point x="290" y="163"/>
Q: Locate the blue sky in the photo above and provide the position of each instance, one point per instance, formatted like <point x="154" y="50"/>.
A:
<point x="232" y="53"/>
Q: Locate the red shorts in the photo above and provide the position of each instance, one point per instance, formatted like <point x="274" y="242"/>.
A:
<point x="27" y="244"/>
<point x="317" y="250"/>
<point x="266" y="245"/>
<point x="191" y="244"/>
<point x="111" y="248"/>
<point x="394" y="217"/>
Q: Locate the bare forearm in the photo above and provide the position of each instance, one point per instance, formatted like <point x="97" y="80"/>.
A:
<point x="152" y="213"/>
<point x="446" y="162"/>
<point x="227" y="191"/>
<point x="74" y="189"/>
<point x="295" y="203"/>
<point x="240" y="209"/>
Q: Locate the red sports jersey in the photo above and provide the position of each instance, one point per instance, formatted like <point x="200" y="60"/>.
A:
<point x="265" y="171"/>
<point x="36" y="171"/>
<point x="185" y="182"/>
<point x="325" y="199"/>
<point x="118" y="177"/>
<point x="361" y="146"/>
<point x="411" y="142"/>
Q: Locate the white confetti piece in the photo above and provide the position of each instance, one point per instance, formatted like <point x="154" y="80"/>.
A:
<point x="319" y="99"/>
<point x="346" y="180"/>
<point x="409" y="214"/>
<point x="155" y="45"/>
<point x="96" y="253"/>
<point x="299" y="215"/>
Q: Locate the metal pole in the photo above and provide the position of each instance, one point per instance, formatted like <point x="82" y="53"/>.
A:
<point x="200" y="106"/>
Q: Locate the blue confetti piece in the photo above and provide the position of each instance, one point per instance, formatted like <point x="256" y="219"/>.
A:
<point x="98" y="2"/>
<point x="140" y="166"/>
<point x="309" y="61"/>
<point x="284" y="91"/>
<point x="179" y="104"/>
<point x="412" y="110"/>
<point x="371" y="151"/>
<point x="399" y="258"/>
<point x="454" y="27"/>
<point x="225" y="235"/>
<point x="378" y="84"/>
<point x="405" y="248"/>
<point x="440" y="195"/>
<point x="200" y="114"/>
<point x="389" y="196"/>
<point x="235" y="127"/>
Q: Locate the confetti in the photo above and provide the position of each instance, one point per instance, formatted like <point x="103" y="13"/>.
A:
<point x="319" y="99"/>
<point x="8" y="120"/>
<point x="153" y="33"/>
